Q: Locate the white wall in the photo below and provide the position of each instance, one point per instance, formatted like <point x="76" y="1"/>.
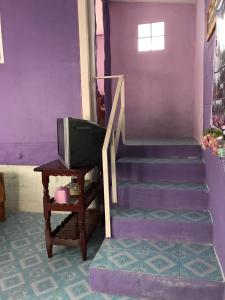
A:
<point x="24" y="190"/>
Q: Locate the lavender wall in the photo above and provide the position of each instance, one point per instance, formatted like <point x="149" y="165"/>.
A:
<point x="214" y="170"/>
<point x="159" y="85"/>
<point x="199" y="71"/>
<point x="100" y="62"/>
<point x="40" y="79"/>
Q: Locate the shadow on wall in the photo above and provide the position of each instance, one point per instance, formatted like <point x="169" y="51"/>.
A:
<point x="12" y="191"/>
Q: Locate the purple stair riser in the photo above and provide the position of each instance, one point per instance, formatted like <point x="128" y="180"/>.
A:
<point x="162" y="199"/>
<point x="161" y="151"/>
<point x="153" y="287"/>
<point x="173" y="172"/>
<point x="168" y="230"/>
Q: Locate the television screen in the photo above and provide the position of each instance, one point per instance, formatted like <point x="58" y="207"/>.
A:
<point x="79" y="142"/>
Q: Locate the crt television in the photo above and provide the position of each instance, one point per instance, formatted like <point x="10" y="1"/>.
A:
<point x="79" y="142"/>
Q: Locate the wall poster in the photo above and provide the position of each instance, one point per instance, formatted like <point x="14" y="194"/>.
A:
<point x="218" y="102"/>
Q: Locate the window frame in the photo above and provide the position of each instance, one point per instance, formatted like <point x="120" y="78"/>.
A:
<point x="150" y="37"/>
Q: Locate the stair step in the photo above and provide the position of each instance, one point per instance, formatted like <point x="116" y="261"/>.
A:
<point x="161" y="148"/>
<point x="154" y="160"/>
<point x="162" y="142"/>
<point x="157" y="269"/>
<point x="162" y="195"/>
<point x="160" y="151"/>
<point x="148" y="168"/>
<point x="184" y="225"/>
<point x="163" y="185"/>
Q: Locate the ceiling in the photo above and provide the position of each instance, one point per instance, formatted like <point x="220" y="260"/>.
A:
<point x="158" y="1"/>
<point x="99" y="16"/>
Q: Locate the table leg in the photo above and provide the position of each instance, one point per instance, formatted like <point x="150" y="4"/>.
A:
<point x="81" y="219"/>
<point x="83" y="240"/>
<point x="47" y="215"/>
<point x="101" y="197"/>
<point x="2" y="212"/>
<point x="2" y="198"/>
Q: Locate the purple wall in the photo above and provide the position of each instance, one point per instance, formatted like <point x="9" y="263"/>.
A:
<point x="214" y="170"/>
<point x="40" y="79"/>
<point x="159" y="85"/>
<point x="100" y="62"/>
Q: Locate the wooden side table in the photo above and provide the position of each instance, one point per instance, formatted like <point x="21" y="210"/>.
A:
<point x="2" y="198"/>
<point x="78" y="226"/>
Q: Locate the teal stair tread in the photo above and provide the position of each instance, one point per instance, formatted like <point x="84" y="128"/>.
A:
<point x="186" y="261"/>
<point x="162" y="185"/>
<point x="152" y="160"/>
<point x="180" y="216"/>
<point x="163" y="142"/>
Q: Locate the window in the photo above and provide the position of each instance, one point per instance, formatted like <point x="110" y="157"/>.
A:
<point x="1" y="46"/>
<point x="151" y="37"/>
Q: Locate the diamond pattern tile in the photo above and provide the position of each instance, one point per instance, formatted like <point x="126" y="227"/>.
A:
<point x="193" y="249"/>
<point x="161" y="246"/>
<point x="162" y="185"/>
<point x="186" y="216"/>
<point x="162" y="215"/>
<point x="199" y="267"/>
<point x="159" y="257"/>
<point x="161" y="264"/>
<point x="132" y="213"/>
<point x="195" y="216"/>
<point x="124" y="244"/>
<point x="27" y="274"/>
<point x="117" y="259"/>
<point x="164" y="141"/>
<point x="149" y="160"/>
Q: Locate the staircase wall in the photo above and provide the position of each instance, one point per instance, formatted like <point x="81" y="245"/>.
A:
<point x="215" y="174"/>
<point x="159" y="84"/>
<point x="199" y="70"/>
<point x="40" y="79"/>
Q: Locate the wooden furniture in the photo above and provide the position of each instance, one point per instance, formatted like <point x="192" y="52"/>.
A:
<point x="78" y="226"/>
<point x="2" y="198"/>
<point x="100" y="109"/>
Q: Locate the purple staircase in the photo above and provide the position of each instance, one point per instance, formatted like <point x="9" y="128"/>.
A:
<point x="162" y="232"/>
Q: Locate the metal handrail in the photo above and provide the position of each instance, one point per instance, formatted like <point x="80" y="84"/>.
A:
<point x="112" y="139"/>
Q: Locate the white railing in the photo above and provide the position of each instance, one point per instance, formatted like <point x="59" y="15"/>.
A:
<point x="112" y="140"/>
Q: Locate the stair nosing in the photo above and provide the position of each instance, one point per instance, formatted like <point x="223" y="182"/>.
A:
<point x="176" y="220"/>
<point x="151" y="185"/>
<point x="165" y="161"/>
<point x="177" y="247"/>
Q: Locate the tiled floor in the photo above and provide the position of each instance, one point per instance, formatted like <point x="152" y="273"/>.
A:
<point x="185" y="261"/>
<point x="172" y="215"/>
<point x="27" y="274"/>
<point x="149" y="160"/>
<point x="162" y="185"/>
<point x="181" y="141"/>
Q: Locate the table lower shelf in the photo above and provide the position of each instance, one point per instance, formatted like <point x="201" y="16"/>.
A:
<point x="73" y="204"/>
<point x="68" y="232"/>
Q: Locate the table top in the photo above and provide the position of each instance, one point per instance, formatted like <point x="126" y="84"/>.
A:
<point x="58" y="166"/>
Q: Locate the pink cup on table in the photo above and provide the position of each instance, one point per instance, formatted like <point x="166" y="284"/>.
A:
<point x="61" y="195"/>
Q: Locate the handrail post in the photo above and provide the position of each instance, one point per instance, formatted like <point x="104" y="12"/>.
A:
<point x="113" y="169"/>
<point x="123" y="106"/>
<point x="106" y="193"/>
<point x="112" y="140"/>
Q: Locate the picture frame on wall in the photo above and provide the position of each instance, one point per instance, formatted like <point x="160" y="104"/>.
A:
<point x="218" y="101"/>
<point x="211" y="18"/>
<point x="1" y="45"/>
